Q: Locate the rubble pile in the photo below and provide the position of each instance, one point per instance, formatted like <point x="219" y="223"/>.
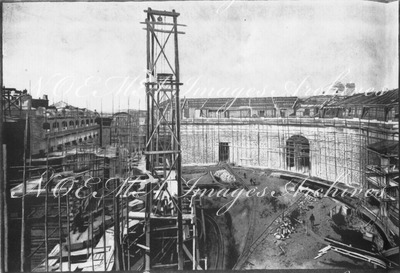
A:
<point x="285" y="228"/>
<point x="224" y="176"/>
<point x="307" y="203"/>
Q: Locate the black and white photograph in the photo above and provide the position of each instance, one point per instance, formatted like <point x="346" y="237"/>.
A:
<point x="199" y="135"/>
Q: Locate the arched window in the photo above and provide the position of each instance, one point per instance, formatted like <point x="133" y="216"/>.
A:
<point x="298" y="153"/>
<point x="46" y="126"/>
<point x="71" y="123"/>
<point x="82" y="123"/>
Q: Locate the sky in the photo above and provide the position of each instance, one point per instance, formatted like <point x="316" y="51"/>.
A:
<point x="93" y="55"/>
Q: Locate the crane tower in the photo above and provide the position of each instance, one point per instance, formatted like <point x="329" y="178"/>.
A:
<point x="163" y="148"/>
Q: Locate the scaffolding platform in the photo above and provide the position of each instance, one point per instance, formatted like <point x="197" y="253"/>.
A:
<point x="141" y="215"/>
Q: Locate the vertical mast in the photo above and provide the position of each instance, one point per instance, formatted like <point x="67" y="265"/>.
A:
<point x="163" y="147"/>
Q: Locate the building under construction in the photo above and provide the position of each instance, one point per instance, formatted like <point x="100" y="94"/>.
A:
<point x="198" y="184"/>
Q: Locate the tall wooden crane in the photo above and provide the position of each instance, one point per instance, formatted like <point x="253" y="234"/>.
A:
<point x="163" y="146"/>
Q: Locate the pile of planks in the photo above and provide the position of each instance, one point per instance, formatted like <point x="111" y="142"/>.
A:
<point x="356" y="253"/>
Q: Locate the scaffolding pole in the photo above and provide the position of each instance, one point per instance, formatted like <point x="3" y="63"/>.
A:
<point x="2" y="170"/>
<point x="23" y="204"/>
<point x="2" y="181"/>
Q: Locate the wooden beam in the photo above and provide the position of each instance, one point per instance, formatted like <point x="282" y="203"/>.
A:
<point x="191" y="257"/>
<point x="165" y="31"/>
<point x="390" y="252"/>
<point x="162" y="13"/>
<point x="161" y="23"/>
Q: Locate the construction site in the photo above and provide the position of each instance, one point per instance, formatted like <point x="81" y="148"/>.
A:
<point x="199" y="183"/>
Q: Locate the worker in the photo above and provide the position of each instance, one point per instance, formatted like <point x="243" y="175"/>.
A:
<point x="78" y="222"/>
<point x="174" y="200"/>
<point x="312" y="219"/>
<point x="165" y="205"/>
<point x="158" y="207"/>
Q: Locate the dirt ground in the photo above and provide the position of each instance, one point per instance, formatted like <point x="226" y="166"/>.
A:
<point x="255" y="214"/>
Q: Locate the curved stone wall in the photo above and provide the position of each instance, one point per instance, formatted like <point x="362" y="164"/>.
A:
<point x="337" y="147"/>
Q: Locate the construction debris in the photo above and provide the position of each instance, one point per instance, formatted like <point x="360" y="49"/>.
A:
<point x="224" y="176"/>
<point x="284" y="230"/>
<point x="322" y="251"/>
<point x="306" y="204"/>
<point x="353" y="252"/>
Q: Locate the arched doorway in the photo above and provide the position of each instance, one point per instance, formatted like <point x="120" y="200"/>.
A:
<point x="298" y="154"/>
